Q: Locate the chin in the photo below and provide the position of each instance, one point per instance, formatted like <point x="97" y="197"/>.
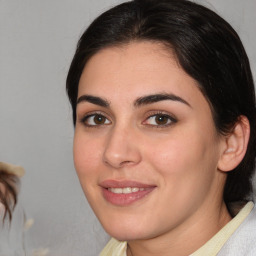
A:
<point x="125" y="224"/>
<point x="126" y="232"/>
<point x="126" y="236"/>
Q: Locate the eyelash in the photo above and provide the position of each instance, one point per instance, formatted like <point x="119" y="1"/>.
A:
<point x="171" y="120"/>
<point x="88" y="116"/>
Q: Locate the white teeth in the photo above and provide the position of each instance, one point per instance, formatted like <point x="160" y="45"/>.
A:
<point x="116" y="190"/>
<point x="125" y="190"/>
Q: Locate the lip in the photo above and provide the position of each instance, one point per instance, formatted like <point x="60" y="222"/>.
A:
<point x="125" y="199"/>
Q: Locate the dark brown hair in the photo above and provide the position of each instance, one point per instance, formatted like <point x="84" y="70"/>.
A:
<point x="8" y="192"/>
<point x="207" y="48"/>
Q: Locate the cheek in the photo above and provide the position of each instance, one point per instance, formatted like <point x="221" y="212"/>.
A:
<point x="174" y="154"/>
<point x="185" y="168"/>
<point x="185" y="160"/>
<point x="86" y="157"/>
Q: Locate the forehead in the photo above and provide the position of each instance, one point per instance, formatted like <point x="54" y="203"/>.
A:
<point x="136" y="69"/>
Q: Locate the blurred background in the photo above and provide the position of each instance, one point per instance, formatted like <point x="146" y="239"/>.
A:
<point x="37" y="42"/>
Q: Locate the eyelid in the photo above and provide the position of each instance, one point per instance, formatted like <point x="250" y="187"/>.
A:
<point x="151" y="114"/>
<point x="93" y="113"/>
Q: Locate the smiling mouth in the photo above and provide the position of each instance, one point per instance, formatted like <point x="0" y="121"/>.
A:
<point x="125" y="193"/>
<point x="127" y="190"/>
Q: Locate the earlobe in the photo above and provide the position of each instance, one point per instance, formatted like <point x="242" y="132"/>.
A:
<point x="235" y="145"/>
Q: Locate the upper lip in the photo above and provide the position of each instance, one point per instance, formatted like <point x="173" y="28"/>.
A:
<point x="124" y="184"/>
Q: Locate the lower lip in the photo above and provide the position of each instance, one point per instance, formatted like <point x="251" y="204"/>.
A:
<point x="125" y="199"/>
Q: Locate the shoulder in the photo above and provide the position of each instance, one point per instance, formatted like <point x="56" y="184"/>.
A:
<point x="243" y="240"/>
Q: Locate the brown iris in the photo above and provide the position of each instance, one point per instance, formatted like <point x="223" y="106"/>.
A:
<point x="161" y="119"/>
<point x="99" y="119"/>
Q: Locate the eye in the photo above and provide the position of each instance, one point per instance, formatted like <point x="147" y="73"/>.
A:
<point x="95" y="120"/>
<point x="159" y="120"/>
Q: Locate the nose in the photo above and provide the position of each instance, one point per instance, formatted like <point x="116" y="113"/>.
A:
<point x="122" y="148"/>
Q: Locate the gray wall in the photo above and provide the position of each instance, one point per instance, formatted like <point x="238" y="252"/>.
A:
<point x="37" y="39"/>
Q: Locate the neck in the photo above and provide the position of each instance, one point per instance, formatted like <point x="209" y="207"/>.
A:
<point x="186" y="238"/>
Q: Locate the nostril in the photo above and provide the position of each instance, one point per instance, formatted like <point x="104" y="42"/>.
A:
<point x="125" y="163"/>
<point x="117" y="164"/>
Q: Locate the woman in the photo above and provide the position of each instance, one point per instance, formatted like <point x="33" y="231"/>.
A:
<point x="164" y="113"/>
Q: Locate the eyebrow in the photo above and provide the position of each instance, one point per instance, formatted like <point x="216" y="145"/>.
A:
<point x="94" y="100"/>
<point x="149" y="99"/>
<point x="141" y="101"/>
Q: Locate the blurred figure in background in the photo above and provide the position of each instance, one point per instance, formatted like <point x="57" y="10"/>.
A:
<point x="11" y="223"/>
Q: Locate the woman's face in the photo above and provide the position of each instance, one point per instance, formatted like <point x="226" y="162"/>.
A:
<point x="146" y="149"/>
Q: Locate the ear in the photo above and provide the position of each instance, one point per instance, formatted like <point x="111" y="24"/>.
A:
<point x="235" y="145"/>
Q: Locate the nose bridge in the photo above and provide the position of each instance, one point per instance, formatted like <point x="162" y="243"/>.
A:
<point x="121" y="147"/>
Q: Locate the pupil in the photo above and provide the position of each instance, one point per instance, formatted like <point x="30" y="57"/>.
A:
<point x="161" y="119"/>
<point x="99" y="119"/>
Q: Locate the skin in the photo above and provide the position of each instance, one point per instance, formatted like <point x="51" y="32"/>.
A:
<point x="178" y="155"/>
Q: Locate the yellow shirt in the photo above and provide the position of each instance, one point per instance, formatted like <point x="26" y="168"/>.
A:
<point x="210" y="248"/>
